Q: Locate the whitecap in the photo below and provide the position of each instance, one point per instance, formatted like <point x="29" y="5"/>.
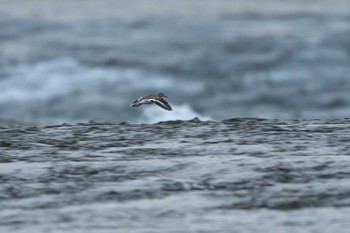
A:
<point x="153" y="114"/>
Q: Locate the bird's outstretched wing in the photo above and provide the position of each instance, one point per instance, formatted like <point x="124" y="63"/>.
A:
<point x="163" y="104"/>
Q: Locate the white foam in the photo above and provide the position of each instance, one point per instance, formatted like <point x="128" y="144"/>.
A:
<point x="64" y="90"/>
<point x="153" y="114"/>
<point x="58" y="78"/>
<point x="61" y="76"/>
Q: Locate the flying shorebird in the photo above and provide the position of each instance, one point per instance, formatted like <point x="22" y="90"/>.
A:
<point x="153" y="99"/>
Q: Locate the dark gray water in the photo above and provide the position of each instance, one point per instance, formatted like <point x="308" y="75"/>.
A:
<point x="238" y="175"/>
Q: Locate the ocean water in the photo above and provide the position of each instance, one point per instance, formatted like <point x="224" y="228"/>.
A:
<point x="228" y="60"/>
<point x="258" y="139"/>
<point x="237" y="175"/>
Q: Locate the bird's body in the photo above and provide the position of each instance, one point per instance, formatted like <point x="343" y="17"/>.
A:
<point x="153" y="99"/>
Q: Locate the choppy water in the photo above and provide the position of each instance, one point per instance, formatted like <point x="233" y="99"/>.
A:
<point x="66" y="61"/>
<point x="238" y="175"/>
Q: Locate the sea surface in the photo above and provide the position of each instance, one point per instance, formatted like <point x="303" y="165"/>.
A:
<point x="237" y="175"/>
<point x="76" y="61"/>
<point x="258" y="139"/>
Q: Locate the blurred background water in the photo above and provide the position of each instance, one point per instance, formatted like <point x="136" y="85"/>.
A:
<point x="74" y="61"/>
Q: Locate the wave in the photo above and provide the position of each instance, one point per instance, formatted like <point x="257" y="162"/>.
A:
<point x="63" y="90"/>
<point x="154" y="114"/>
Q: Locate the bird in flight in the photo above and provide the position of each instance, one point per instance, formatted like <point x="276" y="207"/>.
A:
<point x="157" y="99"/>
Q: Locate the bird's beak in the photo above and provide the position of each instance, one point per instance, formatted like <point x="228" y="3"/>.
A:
<point x="165" y="96"/>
